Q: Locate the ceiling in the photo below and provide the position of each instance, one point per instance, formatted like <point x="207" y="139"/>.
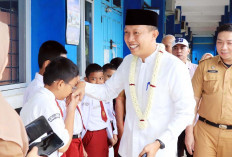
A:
<point x="203" y="16"/>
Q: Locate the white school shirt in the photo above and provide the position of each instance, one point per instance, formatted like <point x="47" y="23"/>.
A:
<point x="192" y="68"/>
<point x="92" y="119"/>
<point x="78" y="125"/>
<point x="33" y="87"/>
<point x="43" y="103"/>
<point x="172" y="106"/>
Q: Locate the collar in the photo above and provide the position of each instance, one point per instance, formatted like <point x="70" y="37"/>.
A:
<point x="48" y="93"/>
<point x="219" y="59"/>
<point x="39" y="77"/>
<point x="151" y="57"/>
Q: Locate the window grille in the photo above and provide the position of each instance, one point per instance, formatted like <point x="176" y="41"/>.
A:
<point x="9" y="15"/>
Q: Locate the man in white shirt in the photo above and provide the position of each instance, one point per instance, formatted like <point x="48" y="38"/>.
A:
<point x="159" y="99"/>
<point x="180" y="49"/>
<point x="48" y="51"/>
<point x="167" y="41"/>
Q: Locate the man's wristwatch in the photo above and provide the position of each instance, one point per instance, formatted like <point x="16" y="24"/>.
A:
<point x="162" y="145"/>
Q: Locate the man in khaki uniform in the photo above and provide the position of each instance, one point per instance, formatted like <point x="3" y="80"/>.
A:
<point x="212" y="84"/>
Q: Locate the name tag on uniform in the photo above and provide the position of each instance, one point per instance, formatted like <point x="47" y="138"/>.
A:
<point x="96" y="107"/>
<point x="85" y="103"/>
<point x="212" y="71"/>
<point x="53" y="117"/>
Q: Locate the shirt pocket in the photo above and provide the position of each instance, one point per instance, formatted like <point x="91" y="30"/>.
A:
<point x="210" y="83"/>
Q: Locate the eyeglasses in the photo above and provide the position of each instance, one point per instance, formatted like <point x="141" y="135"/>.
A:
<point x="73" y="87"/>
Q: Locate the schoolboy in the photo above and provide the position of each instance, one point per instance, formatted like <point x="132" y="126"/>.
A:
<point x="60" y="79"/>
<point x="48" y="51"/>
<point x="108" y="70"/>
<point x="96" y="118"/>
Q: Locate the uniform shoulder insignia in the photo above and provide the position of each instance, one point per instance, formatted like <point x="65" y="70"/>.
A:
<point x="53" y="117"/>
<point x="200" y="61"/>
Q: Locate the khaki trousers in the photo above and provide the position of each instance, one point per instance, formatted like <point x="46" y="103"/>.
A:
<point x="211" y="141"/>
<point x="10" y="149"/>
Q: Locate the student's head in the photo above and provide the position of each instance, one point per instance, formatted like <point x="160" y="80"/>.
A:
<point x="4" y="47"/>
<point x="141" y="32"/>
<point x="224" y="43"/>
<point x="108" y="70"/>
<point x="48" y="51"/>
<point x="61" y="77"/>
<point x="180" y="48"/>
<point x="94" y="74"/>
<point x="116" y="61"/>
<point x="167" y="41"/>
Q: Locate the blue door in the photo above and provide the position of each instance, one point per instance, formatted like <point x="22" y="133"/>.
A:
<point x="112" y="29"/>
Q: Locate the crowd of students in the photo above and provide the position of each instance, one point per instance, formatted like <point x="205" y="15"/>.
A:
<point x="87" y="128"/>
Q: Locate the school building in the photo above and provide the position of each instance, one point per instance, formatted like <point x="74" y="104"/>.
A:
<point x="99" y="26"/>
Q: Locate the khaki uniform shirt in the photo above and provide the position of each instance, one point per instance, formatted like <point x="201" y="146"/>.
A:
<point x="213" y="83"/>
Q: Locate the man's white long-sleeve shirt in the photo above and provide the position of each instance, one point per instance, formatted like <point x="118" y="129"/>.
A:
<point x="172" y="108"/>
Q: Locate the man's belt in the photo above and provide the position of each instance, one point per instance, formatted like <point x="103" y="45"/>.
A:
<point x="221" y="126"/>
<point x="77" y="136"/>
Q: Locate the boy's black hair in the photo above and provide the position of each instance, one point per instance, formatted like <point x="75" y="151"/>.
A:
<point x="49" y="50"/>
<point x="225" y="27"/>
<point x="60" y="68"/>
<point x="116" y="61"/>
<point x="92" y="68"/>
<point x="109" y="66"/>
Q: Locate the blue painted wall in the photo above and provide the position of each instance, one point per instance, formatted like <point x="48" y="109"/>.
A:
<point x="98" y="54"/>
<point x="148" y="2"/>
<point x="72" y="52"/>
<point x="202" y="45"/>
<point x="170" y="24"/>
<point x="47" y="23"/>
<point x="160" y="4"/>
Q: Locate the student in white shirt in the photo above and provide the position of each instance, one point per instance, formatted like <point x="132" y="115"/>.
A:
<point x="108" y="70"/>
<point x="96" y="118"/>
<point x="48" y="51"/>
<point x="60" y="78"/>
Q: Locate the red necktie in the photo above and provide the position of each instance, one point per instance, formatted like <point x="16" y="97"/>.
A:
<point x="59" y="108"/>
<point x="81" y="116"/>
<point x="103" y="113"/>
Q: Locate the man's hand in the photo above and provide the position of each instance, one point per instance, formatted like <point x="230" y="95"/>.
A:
<point x="189" y="139"/>
<point x="151" y="149"/>
<point x="80" y="89"/>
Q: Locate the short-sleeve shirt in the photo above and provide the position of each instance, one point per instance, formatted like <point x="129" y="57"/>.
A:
<point x="43" y="103"/>
<point x="33" y="87"/>
<point x="212" y="82"/>
<point x="92" y="119"/>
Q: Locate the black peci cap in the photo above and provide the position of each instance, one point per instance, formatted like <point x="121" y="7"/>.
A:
<point x="141" y="17"/>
